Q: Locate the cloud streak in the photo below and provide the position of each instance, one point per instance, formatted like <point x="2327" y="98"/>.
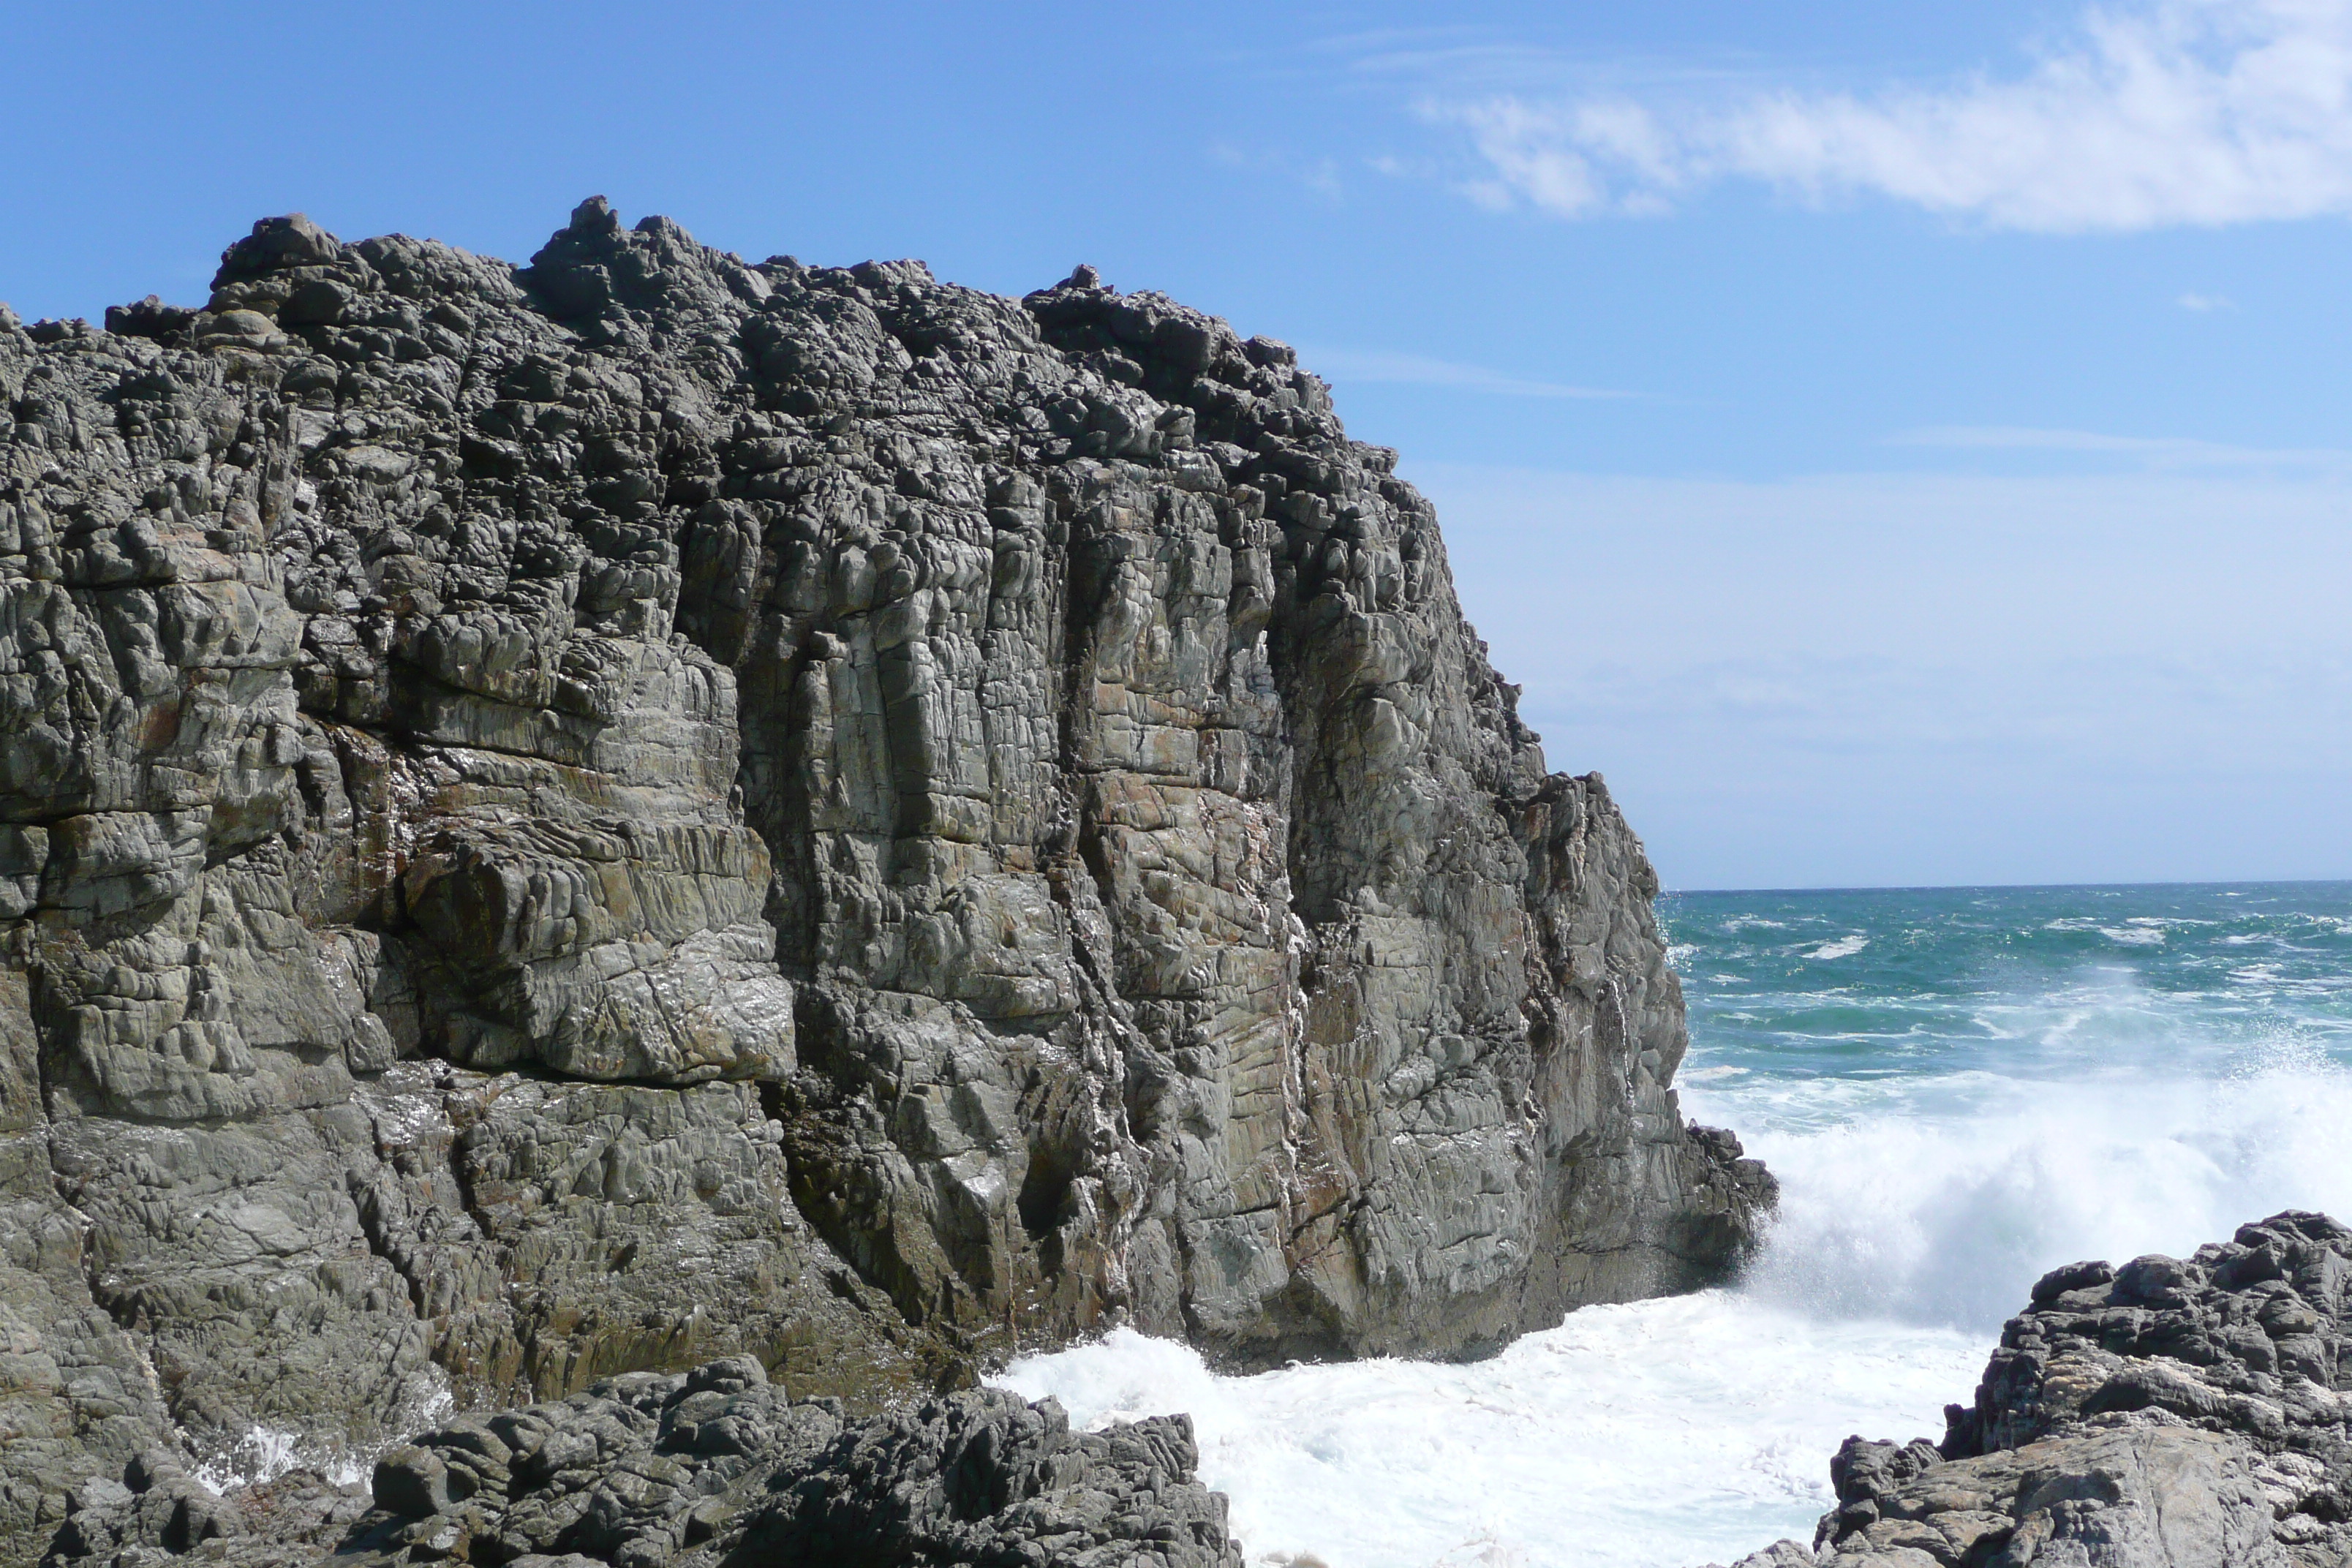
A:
<point x="2155" y="451"/>
<point x="2164" y="114"/>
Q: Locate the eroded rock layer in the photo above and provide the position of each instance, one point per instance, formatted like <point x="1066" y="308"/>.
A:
<point x="569" y="820"/>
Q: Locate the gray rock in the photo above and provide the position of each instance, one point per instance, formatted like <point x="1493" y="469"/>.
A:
<point x="2172" y="1413"/>
<point x="571" y="820"/>
<point x="1780" y="1554"/>
<point x="718" y="1466"/>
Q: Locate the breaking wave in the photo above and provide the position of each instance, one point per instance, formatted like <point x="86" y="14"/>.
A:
<point x="1984" y="1085"/>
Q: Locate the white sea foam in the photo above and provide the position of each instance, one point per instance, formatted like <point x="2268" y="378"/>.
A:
<point x="1937" y="1201"/>
<point x="266" y="1453"/>
<point x="1915" y="1212"/>
<point x="2025" y="1107"/>
<point x="1650" y="1435"/>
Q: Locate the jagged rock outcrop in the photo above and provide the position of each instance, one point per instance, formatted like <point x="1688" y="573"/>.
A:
<point x="716" y="1469"/>
<point x="2173" y="1413"/>
<point x="576" y="819"/>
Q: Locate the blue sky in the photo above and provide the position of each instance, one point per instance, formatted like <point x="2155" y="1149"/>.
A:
<point x="1896" y="443"/>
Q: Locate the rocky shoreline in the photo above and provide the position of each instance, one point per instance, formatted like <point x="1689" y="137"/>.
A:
<point x="614" y="874"/>
<point x="566" y="822"/>
<point x="2171" y="1413"/>
<point x="714" y="1466"/>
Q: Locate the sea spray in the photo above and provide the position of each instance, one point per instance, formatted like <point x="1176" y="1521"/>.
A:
<point x="2006" y="1080"/>
<point x="1958" y="1089"/>
<point x="1656" y="1434"/>
<point x="1939" y="1202"/>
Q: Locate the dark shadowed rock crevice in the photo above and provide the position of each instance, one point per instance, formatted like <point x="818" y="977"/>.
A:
<point x="569" y="821"/>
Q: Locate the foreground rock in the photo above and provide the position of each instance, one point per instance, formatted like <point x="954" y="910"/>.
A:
<point x="714" y="1466"/>
<point x="2170" y="1413"/>
<point x="584" y="818"/>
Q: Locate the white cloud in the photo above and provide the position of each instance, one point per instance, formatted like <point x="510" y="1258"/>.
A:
<point x="2206" y="303"/>
<point x="2166" y="112"/>
<point x="1342" y="365"/>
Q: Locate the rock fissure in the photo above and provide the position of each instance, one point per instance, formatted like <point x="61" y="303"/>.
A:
<point x="380" y="1243"/>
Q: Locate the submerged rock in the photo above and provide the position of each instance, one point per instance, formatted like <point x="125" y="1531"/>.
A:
<point x="571" y="820"/>
<point x="2174" y="1413"/>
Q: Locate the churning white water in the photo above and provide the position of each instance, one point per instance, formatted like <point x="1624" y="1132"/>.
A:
<point x="1959" y="1089"/>
<point x="1664" y="1433"/>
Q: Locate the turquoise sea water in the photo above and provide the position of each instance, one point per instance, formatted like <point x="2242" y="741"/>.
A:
<point x="1963" y="1087"/>
<point x="1884" y="984"/>
<point x="1960" y="1088"/>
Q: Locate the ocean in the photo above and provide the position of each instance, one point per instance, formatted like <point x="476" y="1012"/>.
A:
<point x="1960" y="1088"/>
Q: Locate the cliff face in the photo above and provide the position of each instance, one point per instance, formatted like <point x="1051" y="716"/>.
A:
<point x="582" y="818"/>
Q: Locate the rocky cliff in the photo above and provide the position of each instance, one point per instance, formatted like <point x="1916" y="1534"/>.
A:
<point x="2173" y="1413"/>
<point x="572" y="820"/>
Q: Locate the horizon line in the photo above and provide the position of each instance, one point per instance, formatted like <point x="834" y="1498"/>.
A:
<point x="2017" y="887"/>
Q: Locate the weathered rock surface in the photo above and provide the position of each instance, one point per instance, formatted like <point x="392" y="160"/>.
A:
<point x="717" y="1467"/>
<point x="2170" y="1413"/>
<point x="571" y="820"/>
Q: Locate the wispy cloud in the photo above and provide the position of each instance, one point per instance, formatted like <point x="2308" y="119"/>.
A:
<point x="2154" y="451"/>
<point x="2158" y="114"/>
<point x="1344" y="365"/>
<point x="1320" y="175"/>
<point x="2205" y="304"/>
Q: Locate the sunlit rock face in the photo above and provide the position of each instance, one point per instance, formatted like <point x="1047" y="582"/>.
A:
<point x="573" y="820"/>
